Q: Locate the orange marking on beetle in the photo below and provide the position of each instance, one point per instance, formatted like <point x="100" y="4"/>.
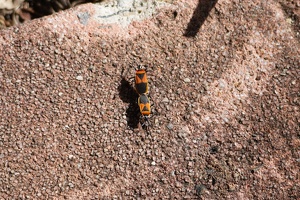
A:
<point x="141" y="81"/>
<point x="144" y="104"/>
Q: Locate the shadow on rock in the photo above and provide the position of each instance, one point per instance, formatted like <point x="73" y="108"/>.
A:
<point x="199" y="16"/>
<point x="128" y="95"/>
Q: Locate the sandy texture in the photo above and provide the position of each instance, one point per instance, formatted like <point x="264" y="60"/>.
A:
<point x="224" y="81"/>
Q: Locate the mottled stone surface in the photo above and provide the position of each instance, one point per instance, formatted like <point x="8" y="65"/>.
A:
<point x="223" y="79"/>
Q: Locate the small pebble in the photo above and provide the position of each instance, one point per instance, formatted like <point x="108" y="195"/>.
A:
<point x="231" y="187"/>
<point x="170" y="126"/>
<point x="165" y="100"/>
<point x="79" y="78"/>
<point x="222" y="83"/>
<point x="187" y="80"/>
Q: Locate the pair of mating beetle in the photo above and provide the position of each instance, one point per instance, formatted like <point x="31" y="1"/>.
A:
<point x="142" y="88"/>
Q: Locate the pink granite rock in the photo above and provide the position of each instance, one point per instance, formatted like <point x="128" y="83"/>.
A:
<point x="224" y="82"/>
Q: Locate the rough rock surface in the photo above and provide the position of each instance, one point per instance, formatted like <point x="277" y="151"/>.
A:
<point x="224" y="81"/>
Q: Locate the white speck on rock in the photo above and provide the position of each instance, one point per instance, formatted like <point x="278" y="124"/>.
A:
<point x="187" y="80"/>
<point x="207" y="118"/>
<point x="79" y="78"/>
<point x="165" y="100"/>
<point x="222" y="83"/>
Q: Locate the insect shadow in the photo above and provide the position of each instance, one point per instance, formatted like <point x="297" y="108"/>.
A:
<point x="199" y="16"/>
<point x="128" y="95"/>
